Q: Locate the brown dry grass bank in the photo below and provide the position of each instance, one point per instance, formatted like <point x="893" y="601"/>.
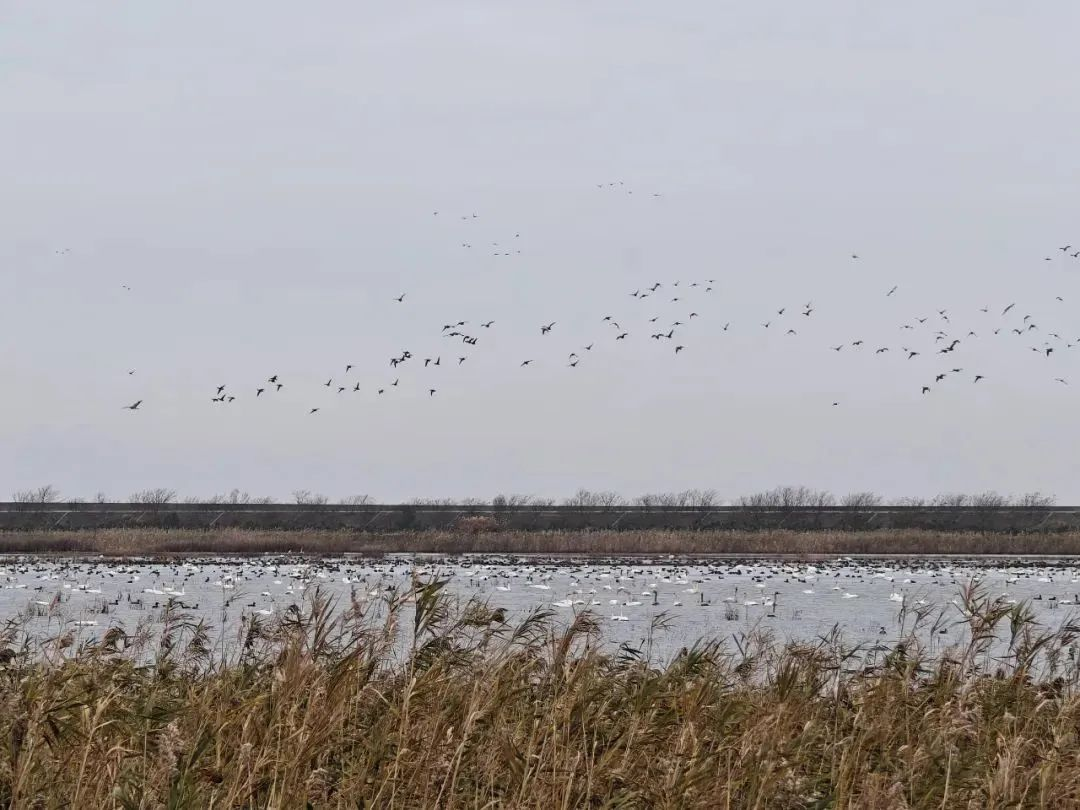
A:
<point x="315" y="710"/>
<point x="129" y="542"/>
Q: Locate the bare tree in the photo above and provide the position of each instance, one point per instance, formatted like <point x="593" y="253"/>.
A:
<point x="357" y="500"/>
<point x="233" y="498"/>
<point x="672" y="499"/>
<point x="1036" y="500"/>
<point x="158" y="496"/>
<point x="45" y="494"/>
<point x="988" y="500"/>
<point x="513" y="501"/>
<point x="305" y="497"/>
<point x="101" y="497"/>
<point x="584" y="498"/>
<point x="952" y="499"/>
<point x="788" y="498"/>
<point x="915" y="503"/>
<point x="702" y="498"/>
<point x="861" y="500"/>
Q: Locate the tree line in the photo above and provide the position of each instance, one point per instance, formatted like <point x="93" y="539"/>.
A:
<point x="785" y="497"/>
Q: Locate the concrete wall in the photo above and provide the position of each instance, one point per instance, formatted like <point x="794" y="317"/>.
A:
<point x="86" y="516"/>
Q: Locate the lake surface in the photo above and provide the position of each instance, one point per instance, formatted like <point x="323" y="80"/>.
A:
<point x="870" y="601"/>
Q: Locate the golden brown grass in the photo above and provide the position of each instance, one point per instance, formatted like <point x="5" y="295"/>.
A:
<point x="128" y="542"/>
<point x="449" y="706"/>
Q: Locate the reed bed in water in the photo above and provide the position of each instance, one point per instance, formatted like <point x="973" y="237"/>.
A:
<point x="129" y="542"/>
<point x="424" y="702"/>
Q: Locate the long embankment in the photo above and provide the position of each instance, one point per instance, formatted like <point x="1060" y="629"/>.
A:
<point x="141" y="529"/>
<point x="381" y="518"/>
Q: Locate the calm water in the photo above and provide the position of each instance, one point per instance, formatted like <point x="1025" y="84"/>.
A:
<point x="716" y="598"/>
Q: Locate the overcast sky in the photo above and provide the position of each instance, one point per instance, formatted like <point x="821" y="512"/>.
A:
<point x="264" y="177"/>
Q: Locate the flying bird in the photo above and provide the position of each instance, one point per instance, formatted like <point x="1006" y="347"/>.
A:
<point x="134" y="406"/>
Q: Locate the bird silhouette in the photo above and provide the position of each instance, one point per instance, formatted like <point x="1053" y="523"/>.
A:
<point x="133" y="406"/>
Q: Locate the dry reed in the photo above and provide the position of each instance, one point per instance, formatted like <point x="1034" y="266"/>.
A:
<point x="130" y="542"/>
<point x="428" y="703"/>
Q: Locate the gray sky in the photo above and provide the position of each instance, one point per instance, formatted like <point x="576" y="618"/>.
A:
<point x="264" y="176"/>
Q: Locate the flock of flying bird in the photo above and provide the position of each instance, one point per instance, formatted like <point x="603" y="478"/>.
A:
<point x="691" y="301"/>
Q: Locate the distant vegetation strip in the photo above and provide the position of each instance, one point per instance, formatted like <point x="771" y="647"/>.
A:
<point x="785" y="497"/>
<point x="140" y="542"/>
<point x="794" y="508"/>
